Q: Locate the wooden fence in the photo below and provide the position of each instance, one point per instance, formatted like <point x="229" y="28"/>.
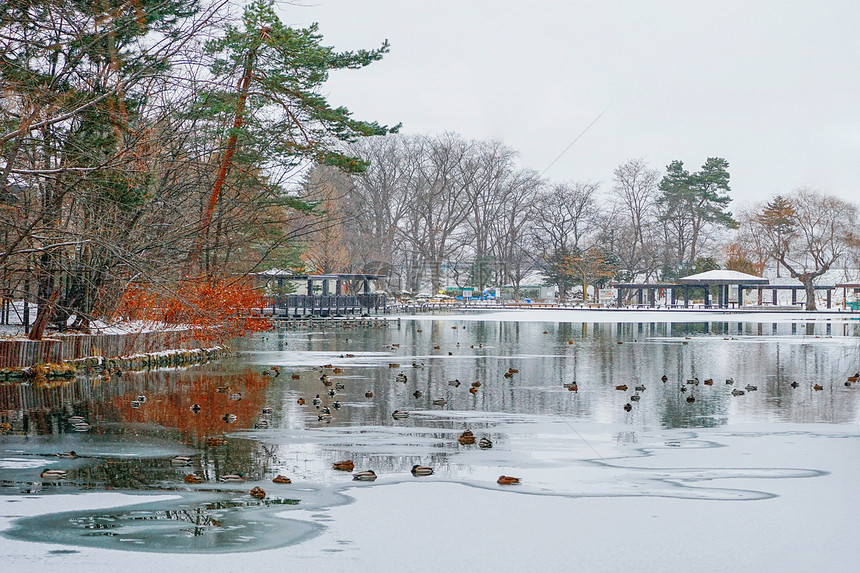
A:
<point x="22" y="353"/>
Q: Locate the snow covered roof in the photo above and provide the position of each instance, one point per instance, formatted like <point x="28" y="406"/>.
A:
<point x="718" y="277"/>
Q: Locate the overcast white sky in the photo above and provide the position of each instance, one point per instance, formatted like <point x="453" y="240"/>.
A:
<point x="772" y="86"/>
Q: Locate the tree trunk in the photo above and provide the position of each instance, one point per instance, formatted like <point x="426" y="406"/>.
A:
<point x="810" y="290"/>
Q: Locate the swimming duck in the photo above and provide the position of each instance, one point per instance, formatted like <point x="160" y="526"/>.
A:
<point x="235" y="396"/>
<point x="454" y="383"/>
<point x="750" y="388"/>
<point x="232" y="478"/>
<point x="709" y="382"/>
<point x="261" y="424"/>
<point x="794" y="384"/>
<point x="508" y="375"/>
<point x="295" y="376"/>
<point x="336" y="405"/>
<point x="401" y="377"/>
<point x="344" y="466"/>
<point x="258" y="492"/>
<point x="639" y="388"/>
<point x="142" y="399"/>
<point x="53" y="474"/>
<point x="847" y="384"/>
<point x="399" y="415"/>
<point x="181" y="461"/>
<point x="737" y="392"/>
<point x="513" y="371"/>
<point x="635" y="398"/>
<point x="691" y="399"/>
<point x="393" y="365"/>
<point x="628" y="406"/>
<point x="473" y="391"/>
<point x="418" y="471"/>
<point x="324" y="417"/>
<point x="507" y="480"/>
<point x="730" y="381"/>
<point x="300" y="401"/>
<point x="854" y="378"/>
<point x="337" y="371"/>
<point x="215" y="441"/>
<point x="281" y="479"/>
<point x="466" y="438"/>
<point x="229" y="418"/>
<point x="81" y="427"/>
<point x="683" y="388"/>
<point x="332" y="393"/>
<point x="266" y="411"/>
<point x="476" y="384"/>
<point x="572" y="386"/>
<point x="339" y="386"/>
<point x="440" y="402"/>
<point x="664" y="378"/>
<point x="622" y="387"/>
<point x="193" y="478"/>
<point x="368" y="394"/>
<point x="417" y="365"/>
<point x="317" y="400"/>
<point x="818" y="387"/>
<point x="418" y="393"/>
<point x="368" y="475"/>
<point x="693" y="382"/>
<point x="195" y="408"/>
<point x="485" y="443"/>
<point x="68" y="455"/>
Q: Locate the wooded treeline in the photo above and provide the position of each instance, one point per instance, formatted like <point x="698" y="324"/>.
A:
<point x="433" y="203"/>
<point x="153" y="145"/>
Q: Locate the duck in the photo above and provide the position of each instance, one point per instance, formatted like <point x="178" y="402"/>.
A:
<point x="418" y="393"/>
<point x="473" y="391"/>
<point x="232" y="478"/>
<point x="418" y="471"/>
<point x="344" y="465"/>
<point x="53" y="474"/>
<point x="507" y="480"/>
<point x="817" y="387"/>
<point x="508" y="375"/>
<point x="399" y="415"/>
<point x="215" y="441"/>
<point x="193" y="478"/>
<point x="349" y="355"/>
<point x="393" y="365"/>
<point x="261" y="425"/>
<point x="401" y="377"/>
<point x="691" y="399"/>
<point x="854" y="377"/>
<point x="81" y="427"/>
<point x="454" y="383"/>
<point x="693" y="381"/>
<point x="622" y="387"/>
<point x="628" y="406"/>
<point x="466" y="438"/>
<point x="266" y="411"/>
<point x="368" y="394"/>
<point x="476" y="384"/>
<point x="336" y="405"/>
<point x="571" y="386"/>
<point x="317" y="400"/>
<point x="332" y="393"/>
<point x="229" y="418"/>
<point x="368" y="475"/>
<point x="485" y="443"/>
<point x="750" y="388"/>
<point x="737" y="392"/>
<point x="664" y="378"/>
<point x="683" y="388"/>
<point x="709" y="382"/>
<point x="794" y="384"/>
<point x="730" y="381"/>
<point x="281" y="479"/>
<point x="635" y="398"/>
<point x="295" y="376"/>
<point x="181" y="461"/>
<point x="847" y="384"/>
<point x="258" y="492"/>
<point x="68" y="455"/>
<point x="417" y="365"/>
<point x="513" y="371"/>
<point x="324" y="418"/>
<point x="300" y="401"/>
<point x="141" y="398"/>
<point x="440" y="402"/>
<point x="337" y="371"/>
<point x="195" y="408"/>
<point x="339" y="386"/>
<point x="639" y="388"/>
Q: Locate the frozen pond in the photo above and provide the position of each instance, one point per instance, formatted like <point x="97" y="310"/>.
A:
<point x="679" y="473"/>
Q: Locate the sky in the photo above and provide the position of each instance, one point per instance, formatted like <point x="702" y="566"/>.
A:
<point x="771" y="86"/>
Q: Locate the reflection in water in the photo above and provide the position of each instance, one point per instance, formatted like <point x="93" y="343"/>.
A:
<point x="132" y="441"/>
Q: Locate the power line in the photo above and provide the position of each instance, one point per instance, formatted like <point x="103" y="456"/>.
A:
<point x="574" y="141"/>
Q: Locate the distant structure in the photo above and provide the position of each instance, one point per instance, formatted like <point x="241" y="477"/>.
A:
<point x="292" y="294"/>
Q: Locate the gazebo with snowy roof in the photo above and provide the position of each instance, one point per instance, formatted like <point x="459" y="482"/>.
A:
<point x="723" y="280"/>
